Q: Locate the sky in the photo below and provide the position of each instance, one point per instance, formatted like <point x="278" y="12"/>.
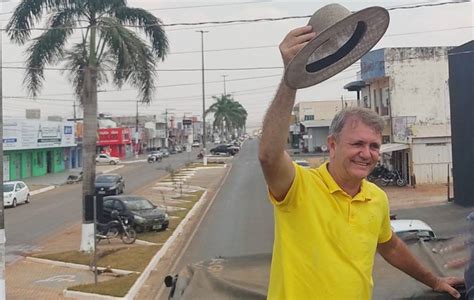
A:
<point x="243" y="59"/>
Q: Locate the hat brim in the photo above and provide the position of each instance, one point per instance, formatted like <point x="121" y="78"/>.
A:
<point x="375" y="20"/>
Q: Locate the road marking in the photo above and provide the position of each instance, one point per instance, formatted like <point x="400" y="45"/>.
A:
<point x="59" y="278"/>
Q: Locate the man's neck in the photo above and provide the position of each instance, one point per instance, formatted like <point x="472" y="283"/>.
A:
<point x="351" y="187"/>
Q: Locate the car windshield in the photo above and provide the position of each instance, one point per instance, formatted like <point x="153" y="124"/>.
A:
<point x="8" y="187"/>
<point x="106" y="178"/>
<point x="138" y="204"/>
<point x="415" y="234"/>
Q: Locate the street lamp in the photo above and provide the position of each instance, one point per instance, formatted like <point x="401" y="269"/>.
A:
<point x="203" y="92"/>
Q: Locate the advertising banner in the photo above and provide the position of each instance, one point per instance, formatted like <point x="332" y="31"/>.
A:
<point x="35" y="134"/>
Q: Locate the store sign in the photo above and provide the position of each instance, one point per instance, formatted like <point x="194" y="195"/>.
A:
<point x="34" y="134"/>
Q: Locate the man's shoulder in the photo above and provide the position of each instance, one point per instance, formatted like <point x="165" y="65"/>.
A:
<point x="375" y="190"/>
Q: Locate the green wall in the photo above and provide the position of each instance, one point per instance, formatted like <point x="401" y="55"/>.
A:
<point x="27" y="163"/>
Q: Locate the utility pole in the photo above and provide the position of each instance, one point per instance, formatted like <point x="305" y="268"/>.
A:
<point x="136" y="132"/>
<point x="2" y="207"/>
<point x="203" y="92"/>
<point x="225" y="92"/>
<point x="74" y="108"/>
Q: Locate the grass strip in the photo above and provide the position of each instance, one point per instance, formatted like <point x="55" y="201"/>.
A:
<point x="131" y="258"/>
<point x="117" y="287"/>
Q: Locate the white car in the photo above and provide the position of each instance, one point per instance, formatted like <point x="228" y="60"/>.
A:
<point x="412" y="228"/>
<point x="304" y="163"/>
<point x="105" y="158"/>
<point x="15" y="192"/>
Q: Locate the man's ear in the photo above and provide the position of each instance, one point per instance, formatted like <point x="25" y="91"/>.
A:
<point x="331" y="143"/>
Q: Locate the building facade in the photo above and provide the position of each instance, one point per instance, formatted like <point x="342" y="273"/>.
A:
<point x="408" y="87"/>
<point x="36" y="148"/>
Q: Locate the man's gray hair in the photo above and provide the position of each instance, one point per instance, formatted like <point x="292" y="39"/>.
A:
<point x="367" y="116"/>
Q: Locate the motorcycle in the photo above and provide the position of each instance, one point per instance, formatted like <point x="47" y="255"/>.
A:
<point x="74" y="178"/>
<point x="393" y="177"/>
<point x="379" y="172"/>
<point x="153" y="158"/>
<point x="118" y="227"/>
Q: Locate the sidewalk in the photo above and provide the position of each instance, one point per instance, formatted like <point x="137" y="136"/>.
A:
<point x="31" y="279"/>
<point x="50" y="181"/>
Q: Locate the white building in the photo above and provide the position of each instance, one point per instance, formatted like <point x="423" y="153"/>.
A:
<point x="408" y="87"/>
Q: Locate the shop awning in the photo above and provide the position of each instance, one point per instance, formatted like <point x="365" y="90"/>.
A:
<point x="390" y="147"/>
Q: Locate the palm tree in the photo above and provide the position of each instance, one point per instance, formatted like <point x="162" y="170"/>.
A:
<point x="228" y="114"/>
<point x="107" y="48"/>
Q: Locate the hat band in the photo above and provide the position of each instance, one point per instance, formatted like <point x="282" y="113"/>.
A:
<point x="320" y="64"/>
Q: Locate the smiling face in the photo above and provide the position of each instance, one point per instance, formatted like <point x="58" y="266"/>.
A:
<point x="354" y="152"/>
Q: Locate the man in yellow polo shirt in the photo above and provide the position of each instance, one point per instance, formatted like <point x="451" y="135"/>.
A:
<point x="330" y="221"/>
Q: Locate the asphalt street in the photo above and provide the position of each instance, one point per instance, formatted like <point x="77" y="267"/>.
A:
<point x="49" y="212"/>
<point x="240" y="220"/>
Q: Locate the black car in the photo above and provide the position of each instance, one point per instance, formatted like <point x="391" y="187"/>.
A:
<point x="109" y="184"/>
<point x="224" y="149"/>
<point x="143" y="214"/>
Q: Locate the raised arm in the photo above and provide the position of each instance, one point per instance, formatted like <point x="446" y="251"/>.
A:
<point x="276" y="163"/>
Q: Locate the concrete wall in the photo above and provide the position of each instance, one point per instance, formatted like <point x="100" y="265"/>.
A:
<point x="418" y="83"/>
<point x="318" y="137"/>
<point x="431" y="157"/>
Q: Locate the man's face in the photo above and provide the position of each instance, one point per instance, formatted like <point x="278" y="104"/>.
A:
<point x="356" y="151"/>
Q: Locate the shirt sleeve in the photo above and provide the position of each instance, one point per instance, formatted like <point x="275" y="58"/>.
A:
<point x="385" y="230"/>
<point x="291" y="195"/>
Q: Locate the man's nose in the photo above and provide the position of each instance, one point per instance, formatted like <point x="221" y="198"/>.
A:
<point x="365" y="152"/>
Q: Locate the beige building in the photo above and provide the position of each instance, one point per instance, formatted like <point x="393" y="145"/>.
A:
<point x="311" y="123"/>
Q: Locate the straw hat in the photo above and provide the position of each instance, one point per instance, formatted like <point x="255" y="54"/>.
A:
<point x="342" y="38"/>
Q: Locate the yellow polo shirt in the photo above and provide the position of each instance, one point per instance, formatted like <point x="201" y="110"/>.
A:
<point x="325" y="240"/>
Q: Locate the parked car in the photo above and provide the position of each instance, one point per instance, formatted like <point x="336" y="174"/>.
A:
<point x="165" y="152"/>
<point x="15" y="192"/>
<point x="224" y="149"/>
<point x="105" y="158"/>
<point x="304" y="163"/>
<point x="156" y="155"/>
<point x="109" y="184"/>
<point x="143" y="214"/>
<point x="409" y="229"/>
<point x="196" y="145"/>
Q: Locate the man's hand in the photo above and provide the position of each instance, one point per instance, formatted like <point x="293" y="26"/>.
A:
<point x="294" y="41"/>
<point x="446" y="284"/>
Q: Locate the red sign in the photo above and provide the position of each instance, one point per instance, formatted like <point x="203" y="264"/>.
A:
<point x="113" y="136"/>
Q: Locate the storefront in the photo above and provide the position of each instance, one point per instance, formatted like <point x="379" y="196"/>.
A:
<point x="35" y="148"/>
<point x="115" y="142"/>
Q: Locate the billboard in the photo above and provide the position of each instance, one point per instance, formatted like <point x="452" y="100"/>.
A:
<point x="36" y="134"/>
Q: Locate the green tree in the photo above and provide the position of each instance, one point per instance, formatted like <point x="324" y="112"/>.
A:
<point x="228" y="115"/>
<point x="108" y="48"/>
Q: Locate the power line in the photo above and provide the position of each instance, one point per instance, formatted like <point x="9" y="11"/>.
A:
<point x="242" y="21"/>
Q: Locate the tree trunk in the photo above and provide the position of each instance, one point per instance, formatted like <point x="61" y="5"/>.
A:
<point x="89" y="152"/>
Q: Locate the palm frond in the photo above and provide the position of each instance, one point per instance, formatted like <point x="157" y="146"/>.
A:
<point x="45" y="49"/>
<point x="26" y="14"/>
<point x="151" y="25"/>
<point x="135" y="62"/>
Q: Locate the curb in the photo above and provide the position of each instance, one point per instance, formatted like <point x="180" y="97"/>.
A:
<point x="74" y="266"/>
<point x="132" y="293"/>
<point x="42" y="190"/>
<point x="145" y="274"/>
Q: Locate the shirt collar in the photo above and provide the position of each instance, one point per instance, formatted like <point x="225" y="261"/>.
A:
<point x="363" y="195"/>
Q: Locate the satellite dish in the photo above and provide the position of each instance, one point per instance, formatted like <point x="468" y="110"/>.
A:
<point x="324" y="148"/>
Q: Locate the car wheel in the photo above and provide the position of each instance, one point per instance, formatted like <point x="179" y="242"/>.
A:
<point x="112" y="162"/>
<point x="27" y="200"/>
<point x="14" y="203"/>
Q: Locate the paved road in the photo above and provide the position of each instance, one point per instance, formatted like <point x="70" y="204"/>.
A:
<point x="57" y="209"/>
<point x="240" y="220"/>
